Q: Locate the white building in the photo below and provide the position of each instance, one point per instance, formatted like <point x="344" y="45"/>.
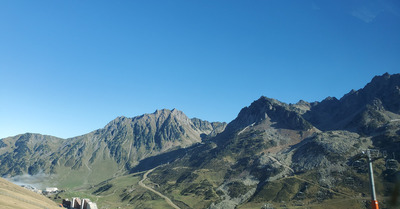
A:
<point x="92" y="205"/>
<point x="51" y="190"/>
<point x="85" y="203"/>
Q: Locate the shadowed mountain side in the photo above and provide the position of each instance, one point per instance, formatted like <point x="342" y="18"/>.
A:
<point x="362" y="111"/>
<point x="154" y="161"/>
<point x="278" y="115"/>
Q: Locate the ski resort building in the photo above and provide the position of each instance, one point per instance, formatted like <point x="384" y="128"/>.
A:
<point x="50" y="190"/>
<point x="77" y="203"/>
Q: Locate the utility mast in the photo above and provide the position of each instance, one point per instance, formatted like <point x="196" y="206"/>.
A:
<point x="374" y="201"/>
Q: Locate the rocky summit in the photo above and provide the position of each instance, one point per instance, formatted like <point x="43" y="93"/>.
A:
<point x="114" y="149"/>
<point x="295" y="155"/>
<point x="272" y="155"/>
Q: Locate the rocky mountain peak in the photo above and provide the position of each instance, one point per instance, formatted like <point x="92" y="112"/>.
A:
<point x="351" y="93"/>
<point x="329" y="99"/>
<point x="385" y="88"/>
<point x="154" y="133"/>
<point x="301" y="106"/>
<point x="381" y="78"/>
<point x="162" y="112"/>
<point x="269" y="153"/>
<point x="277" y="113"/>
<point x="377" y="101"/>
<point x="380" y="87"/>
<point x="123" y="141"/>
<point x="302" y="102"/>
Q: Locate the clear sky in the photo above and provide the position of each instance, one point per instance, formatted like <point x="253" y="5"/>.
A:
<point x="68" y="67"/>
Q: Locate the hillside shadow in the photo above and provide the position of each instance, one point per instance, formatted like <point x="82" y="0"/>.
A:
<point x="154" y="161"/>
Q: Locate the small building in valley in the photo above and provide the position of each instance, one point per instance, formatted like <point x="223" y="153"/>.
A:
<point x="51" y="190"/>
<point x="77" y="203"/>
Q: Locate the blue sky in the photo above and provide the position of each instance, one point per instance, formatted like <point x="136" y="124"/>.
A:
<point x="70" y="67"/>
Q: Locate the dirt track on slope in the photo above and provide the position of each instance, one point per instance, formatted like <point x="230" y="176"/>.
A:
<point x="154" y="191"/>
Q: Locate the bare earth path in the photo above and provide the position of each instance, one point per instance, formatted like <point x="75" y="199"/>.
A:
<point x="154" y="191"/>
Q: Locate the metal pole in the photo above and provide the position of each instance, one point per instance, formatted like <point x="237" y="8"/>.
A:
<point x="374" y="201"/>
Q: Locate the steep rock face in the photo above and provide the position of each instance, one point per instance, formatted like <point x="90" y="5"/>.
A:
<point x="27" y="153"/>
<point x="272" y="151"/>
<point x="326" y="148"/>
<point x="267" y="125"/>
<point x="292" y="152"/>
<point x="233" y="158"/>
<point x="362" y="111"/>
<point x="205" y="126"/>
<point x="277" y="114"/>
<point x="151" y="134"/>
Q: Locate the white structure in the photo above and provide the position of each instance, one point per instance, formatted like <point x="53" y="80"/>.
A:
<point x="76" y="203"/>
<point x="51" y="190"/>
<point x="85" y="203"/>
<point x="91" y="205"/>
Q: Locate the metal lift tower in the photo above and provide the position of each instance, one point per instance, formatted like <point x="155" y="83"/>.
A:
<point x="374" y="201"/>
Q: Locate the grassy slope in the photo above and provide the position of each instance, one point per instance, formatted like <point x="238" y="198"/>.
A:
<point x="122" y="191"/>
<point x="196" y="192"/>
<point x="192" y="187"/>
<point x="15" y="197"/>
<point x="67" y="178"/>
<point x="284" y="192"/>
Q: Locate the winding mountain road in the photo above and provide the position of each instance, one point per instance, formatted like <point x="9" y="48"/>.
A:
<point x="154" y="191"/>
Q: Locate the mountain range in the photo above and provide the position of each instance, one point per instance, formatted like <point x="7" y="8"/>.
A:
<point x="272" y="153"/>
<point x="116" y="148"/>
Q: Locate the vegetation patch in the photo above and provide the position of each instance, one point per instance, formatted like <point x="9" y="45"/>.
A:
<point x="103" y="189"/>
<point x="237" y="189"/>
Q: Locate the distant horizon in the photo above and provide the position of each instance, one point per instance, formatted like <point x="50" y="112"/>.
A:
<point x="69" y="67"/>
<point x="188" y="116"/>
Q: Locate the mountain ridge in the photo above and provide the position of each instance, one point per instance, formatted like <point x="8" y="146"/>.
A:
<point x="122" y="142"/>
<point x="380" y="94"/>
<point x="299" y="154"/>
<point x="279" y="148"/>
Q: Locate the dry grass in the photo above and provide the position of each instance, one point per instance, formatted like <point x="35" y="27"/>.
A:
<point x="15" y="197"/>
